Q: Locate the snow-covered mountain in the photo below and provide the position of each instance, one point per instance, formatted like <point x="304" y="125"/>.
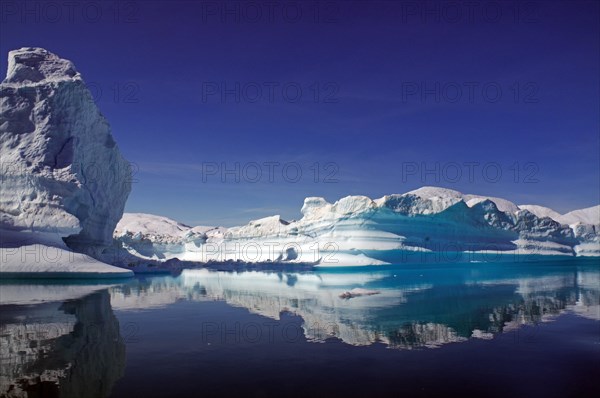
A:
<point x="63" y="177"/>
<point x="357" y="230"/>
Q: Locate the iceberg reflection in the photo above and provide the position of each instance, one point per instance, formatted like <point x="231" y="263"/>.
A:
<point x="60" y="349"/>
<point x="401" y="308"/>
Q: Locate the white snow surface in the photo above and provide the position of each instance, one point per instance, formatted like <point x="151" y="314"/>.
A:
<point x="541" y="212"/>
<point x="54" y="262"/>
<point x="151" y="225"/>
<point x="590" y="215"/>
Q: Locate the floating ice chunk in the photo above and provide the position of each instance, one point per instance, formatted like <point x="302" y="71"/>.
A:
<point x="357" y="292"/>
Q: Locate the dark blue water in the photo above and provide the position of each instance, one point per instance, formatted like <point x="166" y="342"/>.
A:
<point x="432" y="330"/>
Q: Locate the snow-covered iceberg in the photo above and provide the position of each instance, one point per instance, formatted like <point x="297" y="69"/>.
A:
<point x="585" y="224"/>
<point x="63" y="177"/>
<point x="62" y="171"/>
<point x="357" y="230"/>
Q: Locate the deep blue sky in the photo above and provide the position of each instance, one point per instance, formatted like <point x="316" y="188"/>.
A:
<point x="167" y="59"/>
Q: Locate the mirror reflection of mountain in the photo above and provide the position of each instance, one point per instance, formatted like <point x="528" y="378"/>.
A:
<point x="60" y="349"/>
<point x="404" y="308"/>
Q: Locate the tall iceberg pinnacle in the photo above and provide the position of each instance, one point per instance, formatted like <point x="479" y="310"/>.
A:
<point x="62" y="173"/>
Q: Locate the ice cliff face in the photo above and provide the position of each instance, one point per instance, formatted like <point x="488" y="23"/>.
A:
<point x="62" y="173"/>
<point x="357" y="230"/>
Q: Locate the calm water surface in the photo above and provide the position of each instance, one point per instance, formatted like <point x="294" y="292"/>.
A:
<point x="479" y="329"/>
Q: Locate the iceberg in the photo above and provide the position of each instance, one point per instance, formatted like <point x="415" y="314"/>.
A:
<point x="64" y="180"/>
<point x="357" y="230"/>
<point x="358" y="292"/>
